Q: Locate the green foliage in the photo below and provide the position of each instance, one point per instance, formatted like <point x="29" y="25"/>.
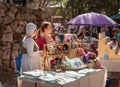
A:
<point x="76" y="7"/>
<point x="64" y="2"/>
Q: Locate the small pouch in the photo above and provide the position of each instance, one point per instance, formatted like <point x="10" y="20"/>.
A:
<point x="80" y="52"/>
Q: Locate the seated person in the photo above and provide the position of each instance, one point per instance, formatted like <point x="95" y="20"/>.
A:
<point x="113" y="36"/>
<point x="81" y="37"/>
<point x="91" y="42"/>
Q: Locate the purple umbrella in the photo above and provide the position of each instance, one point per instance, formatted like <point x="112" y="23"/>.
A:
<point x="94" y="19"/>
<point x="57" y="25"/>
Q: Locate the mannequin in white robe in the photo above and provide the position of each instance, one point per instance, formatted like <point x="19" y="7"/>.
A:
<point x="31" y="60"/>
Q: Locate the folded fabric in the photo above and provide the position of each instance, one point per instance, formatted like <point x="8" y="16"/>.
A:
<point x="35" y="73"/>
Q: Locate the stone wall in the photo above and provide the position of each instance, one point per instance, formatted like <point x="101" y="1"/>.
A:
<point x="12" y="26"/>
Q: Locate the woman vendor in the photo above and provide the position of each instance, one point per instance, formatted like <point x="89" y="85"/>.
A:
<point x="46" y="36"/>
<point x="31" y="58"/>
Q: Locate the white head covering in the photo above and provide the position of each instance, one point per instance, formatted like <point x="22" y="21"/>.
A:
<point x="80" y="29"/>
<point x="30" y="28"/>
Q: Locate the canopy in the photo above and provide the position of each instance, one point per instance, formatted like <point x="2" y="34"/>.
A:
<point x="116" y="16"/>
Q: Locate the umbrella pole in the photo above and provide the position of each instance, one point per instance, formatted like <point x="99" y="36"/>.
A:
<point x="91" y="32"/>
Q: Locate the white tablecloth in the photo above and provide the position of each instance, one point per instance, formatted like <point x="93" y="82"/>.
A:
<point x="111" y="65"/>
<point x="95" y="79"/>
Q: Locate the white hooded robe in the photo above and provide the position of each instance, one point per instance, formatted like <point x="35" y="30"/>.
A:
<point x="30" y="60"/>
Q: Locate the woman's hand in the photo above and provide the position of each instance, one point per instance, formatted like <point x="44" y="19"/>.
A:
<point x="41" y="53"/>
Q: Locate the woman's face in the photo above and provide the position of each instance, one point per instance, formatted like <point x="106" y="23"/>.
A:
<point x="48" y="30"/>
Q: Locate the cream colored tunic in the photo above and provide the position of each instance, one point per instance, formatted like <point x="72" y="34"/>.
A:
<point x="31" y="60"/>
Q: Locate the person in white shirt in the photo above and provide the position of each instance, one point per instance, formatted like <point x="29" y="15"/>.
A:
<point x="82" y="30"/>
<point x="32" y="57"/>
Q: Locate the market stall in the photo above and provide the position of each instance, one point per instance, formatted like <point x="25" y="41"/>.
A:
<point x="66" y="64"/>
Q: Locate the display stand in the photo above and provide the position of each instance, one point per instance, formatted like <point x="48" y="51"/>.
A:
<point x="104" y="44"/>
<point x="50" y="53"/>
<point x="71" y="53"/>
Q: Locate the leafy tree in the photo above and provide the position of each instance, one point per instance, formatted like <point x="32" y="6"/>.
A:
<point x="75" y="7"/>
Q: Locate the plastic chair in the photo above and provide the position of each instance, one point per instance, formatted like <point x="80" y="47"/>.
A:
<point x="17" y="62"/>
<point x="108" y="82"/>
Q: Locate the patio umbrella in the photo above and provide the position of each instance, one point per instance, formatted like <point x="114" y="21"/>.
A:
<point x="94" y="19"/>
<point x="57" y="25"/>
<point x="117" y="16"/>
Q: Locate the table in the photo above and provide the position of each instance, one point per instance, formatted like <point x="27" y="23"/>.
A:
<point x="95" y="79"/>
<point x="111" y="65"/>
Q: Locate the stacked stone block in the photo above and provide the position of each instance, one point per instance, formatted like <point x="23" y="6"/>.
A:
<point x="12" y="30"/>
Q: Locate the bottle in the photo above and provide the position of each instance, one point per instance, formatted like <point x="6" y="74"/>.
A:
<point x="57" y="40"/>
<point x="106" y="55"/>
